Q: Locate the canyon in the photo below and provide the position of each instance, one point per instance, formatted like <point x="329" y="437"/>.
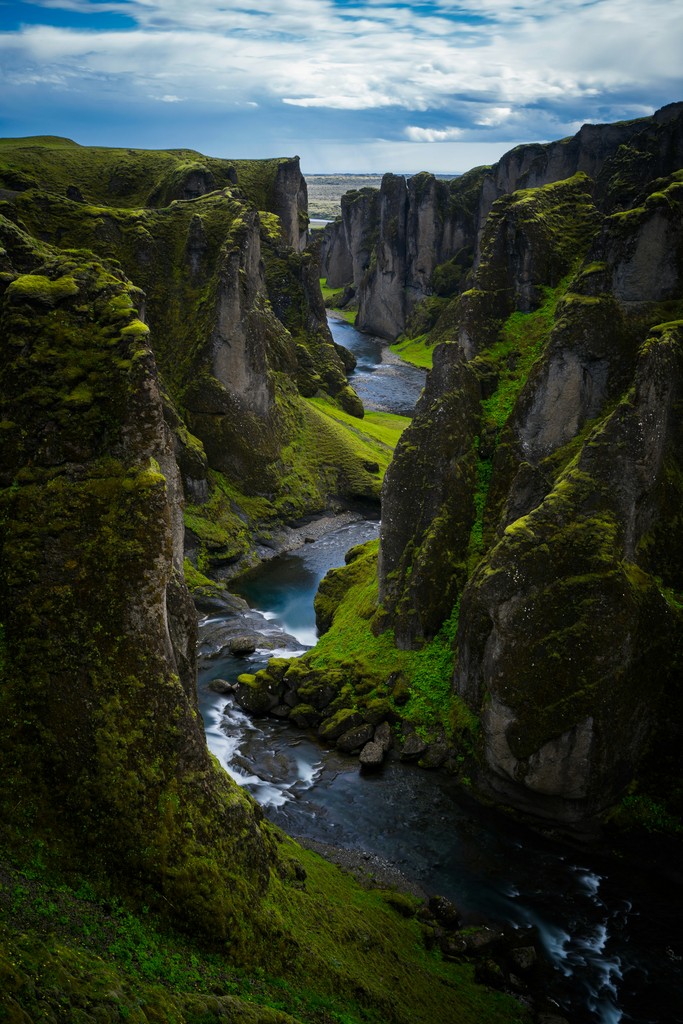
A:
<point x="175" y="410"/>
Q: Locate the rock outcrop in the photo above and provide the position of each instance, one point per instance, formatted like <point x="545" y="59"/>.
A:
<point x="239" y="327"/>
<point x="530" y="546"/>
<point x="155" y="363"/>
<point x="547" y="454"/>
<point x="389" y="242"/>
<point x="103" y="750"/>
<point x="417" y="239"/>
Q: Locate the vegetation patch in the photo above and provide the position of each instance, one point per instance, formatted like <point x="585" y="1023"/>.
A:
<point x="336" y="954"/>
<point x="419" y="351"/>
<point x="417" y="684"/>
<point x="521" y="342"/>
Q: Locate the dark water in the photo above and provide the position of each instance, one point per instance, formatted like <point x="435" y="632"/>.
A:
<point x="613" y="933"/>
<point x="382" y="380"/>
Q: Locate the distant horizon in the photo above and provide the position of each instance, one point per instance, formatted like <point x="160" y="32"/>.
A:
<point x="351" y="86"/>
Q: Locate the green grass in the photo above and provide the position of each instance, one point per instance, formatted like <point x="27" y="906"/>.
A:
<point x="128" y="178"/>
<point x="476" y="542"/>
<point x="417" y="351"/>
<point x="337" y="954"/>
<point x="349" y="315"/>
<point x="350" y="645"/>
<point x="331" y="452"/>
<point x="376" y="435"/>
<point x="332" y="297"/>
<point x="521" y="342"/>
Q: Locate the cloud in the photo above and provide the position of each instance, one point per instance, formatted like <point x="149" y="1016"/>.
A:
<point x="494" y="117"/>
<point x="508" y="69"/>
<point x="433" y="134"/>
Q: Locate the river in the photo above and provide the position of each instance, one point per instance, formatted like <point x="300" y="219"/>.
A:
<point x="613" y="934"/>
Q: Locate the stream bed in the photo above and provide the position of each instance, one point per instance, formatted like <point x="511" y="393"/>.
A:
<point x="612" y="933"/>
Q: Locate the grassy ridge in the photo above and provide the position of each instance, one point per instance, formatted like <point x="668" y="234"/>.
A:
<point x="126" y="178"/>
<point x="337" y="954"/>
<point x="420" y="691"/>
<point x="417" y="351"/>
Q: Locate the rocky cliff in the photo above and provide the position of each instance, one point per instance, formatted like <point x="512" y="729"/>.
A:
<point x="521" y="621"/>
<point x="234" y="305"/>
<point x="98" y="627"/>
<point x="411" y="240"/>
<point x="137" y="880"/>
<point x="547" y="455"/>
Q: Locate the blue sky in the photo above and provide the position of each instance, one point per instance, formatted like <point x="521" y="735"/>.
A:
<point x="369" y="86"/>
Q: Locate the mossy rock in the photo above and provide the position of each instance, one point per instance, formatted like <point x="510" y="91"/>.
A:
<point x="305" y="716"/>
<point x="355" y="738"/>
<point x="257" y="694"/>
<point x="332" y="728"/>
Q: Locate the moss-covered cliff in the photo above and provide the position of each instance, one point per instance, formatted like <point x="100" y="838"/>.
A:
<point x="238" y="325"/>
<point x="404" y="249"/>
<point x="136" y="880"/>
<point x="530" y="517"/>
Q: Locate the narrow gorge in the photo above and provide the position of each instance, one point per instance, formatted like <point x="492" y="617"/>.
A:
<point x="176" y="412"/>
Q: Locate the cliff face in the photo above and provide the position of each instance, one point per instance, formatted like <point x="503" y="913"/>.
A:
<point x="103" y="753"/>
<point x="233" y="301"/>
<point x="547" y="454"/>
<point x="388" y="243"/>
<point x="348" y="242"/>
<point x="425" y="233"/>
<point x="125" y="406"/>
<point x="115" y="821"/>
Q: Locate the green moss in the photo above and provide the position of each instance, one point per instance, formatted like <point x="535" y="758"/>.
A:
<point x="521" y="342"/>
<point x="476" y="541"/>
<point x="337" y="954"/>
<point x="374" y="437"/>
<point x="638" y="812"/>
<point x="197" y="582"/>
<point x="126" y="178"/>
<point x="38" y="288"/>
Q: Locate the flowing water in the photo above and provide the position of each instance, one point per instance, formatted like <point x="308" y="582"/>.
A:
<point x="612" y="934"/>
<point x="381" y="379"/>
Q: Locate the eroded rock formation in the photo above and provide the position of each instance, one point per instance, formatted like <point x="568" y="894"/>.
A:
<point x="398" y="245"/>
<point x="547" y="455"/>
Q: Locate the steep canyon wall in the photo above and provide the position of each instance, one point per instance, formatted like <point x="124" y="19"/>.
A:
<point x="546" y="460"/>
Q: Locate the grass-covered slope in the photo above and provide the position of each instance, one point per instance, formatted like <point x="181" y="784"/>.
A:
<point x="129" y="178"/>
<point x="334" y="954"/>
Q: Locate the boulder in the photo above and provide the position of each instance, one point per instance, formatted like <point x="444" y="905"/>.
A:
<point x="383" y="736"/>
<point x="371" y="756"/>
<point x="434" y="756"/>
<point x="342" y="721"/>
<point x="305" y="716"/>
<point x="413" y="747"/>
<point x="254" y="695"/>
<point x="355" y="738"/>
<point x="243" y="644"/>
<point x="221" y="686"/>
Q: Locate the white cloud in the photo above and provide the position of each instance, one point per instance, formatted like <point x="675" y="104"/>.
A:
<point x="169" y="99"/>
<point x="530" y="69"/>
<point x="494" y="117"/>
<point x="433" y="134"/>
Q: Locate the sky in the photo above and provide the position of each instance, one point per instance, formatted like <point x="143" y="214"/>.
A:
<point x="356" y="87"/>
